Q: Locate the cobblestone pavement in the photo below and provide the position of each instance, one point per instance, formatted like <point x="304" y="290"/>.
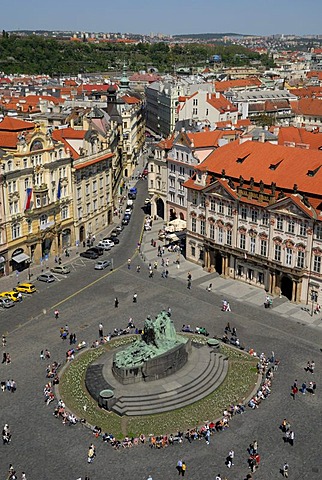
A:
<point x="45" y="449"/>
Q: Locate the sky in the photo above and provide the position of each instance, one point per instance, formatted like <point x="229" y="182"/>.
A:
<point x="257" y="17"/>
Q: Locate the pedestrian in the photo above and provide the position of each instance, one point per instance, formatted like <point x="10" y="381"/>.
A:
<point x="314" y="388"/>
<point x="129" y="264"/>
<point x="4" y="341"/>
<point x="138" y="268"/>
<point x="218" y="477"/>
<point x="294" y="391"/>
<point x="230" y="458"/>
<point x="47" y="353"/>
<point x="303" y="389"/>
<point x="207" y="436"/>
<point x="4" y="357"/>
<point x="19" y="296"/>
<point x="255" y="444"/>
<point x="169" y="311"/>
<point x="8" y="359"/>
<point x="291" y="438"/>
<point x="189" y="276"/>
<point x="23" y="476"/>
<point x="179" y="467"/>
<point x="42" y="356"/>
<point x="116" y="302"/>
<point x="183" y="468"/>
<point x="100" y="330"/>
<point x="189" y="284"/>
<point x="135" y="298"/>
<point x="90" y="454"/>
<point x="209" y="288"/>
<point x="56" y="313"/>
<point x="285" y="470"/>
<point x="312" y="367"/>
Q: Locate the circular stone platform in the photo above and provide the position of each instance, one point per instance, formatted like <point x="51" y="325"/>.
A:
<point x="200" y="376"/>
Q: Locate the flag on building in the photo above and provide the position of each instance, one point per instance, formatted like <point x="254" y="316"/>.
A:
<point x="28" y="198"/>
<point x="59" y="190"/>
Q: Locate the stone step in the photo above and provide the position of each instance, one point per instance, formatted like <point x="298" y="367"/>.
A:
<point x="198" y="376"/>
<point x="178" y="398"/>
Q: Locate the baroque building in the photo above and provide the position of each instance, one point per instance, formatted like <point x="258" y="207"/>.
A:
<point x="254" y="213"/>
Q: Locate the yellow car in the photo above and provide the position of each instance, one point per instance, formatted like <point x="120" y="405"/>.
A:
<point x="25" y="288"/>
<point x="12" y="295"/>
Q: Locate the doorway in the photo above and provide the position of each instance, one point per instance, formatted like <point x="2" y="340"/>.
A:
<point x="287" y="287"/>
<point x="160" y="208"/>
<point x="218" y="262"/>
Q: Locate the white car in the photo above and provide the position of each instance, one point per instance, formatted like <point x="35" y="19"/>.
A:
<point x="101" y="264"/>
<point x="107" y="241"/>
<point x="128" y="211"/>
<point x="104" y="245"/>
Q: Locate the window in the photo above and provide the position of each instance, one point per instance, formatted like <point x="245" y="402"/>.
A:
<point x="265" y="218"/>
<point x="194" y="198"/>
<point x="151" y="167"/>
<point x="87" y="189"/>
<point x="9" y="165"/>
<point x="79" y="212"/>
<point x="25" y="163"/>
<point x="279" y="223"/>
<point x="64" y="212"/>
<point x="220" y="235"/>
<point x="260" y="277"/>
<point x="228" y="237"/>
<point x="172" y="197"/>
<point x="242" y="241"/>
<point x="79" y="193"/>
<point x="38" y="179"/>
<point x="94" y="205"/>
<point x="300" y="259"/>
<point x="193" y="225"/>
<point x="277" y="253"/>
<point x="252" y="245"/>
<point x="317" y="264"/>
<point x="230" y="210"/>
<point x="15" y="231"/>
<point x="263" y="248"/>
<point x="318" y="232"/>
<point x="212" y="204"/>
<point x="195" y="102"/>
<point x="243" y="213"/>
<point x="26" y="183"/>
<point x="195" y="111"/>
<point x="202" y="227"/>
<point x="212" y="231"/>
<point x="181" y="171"/>
<point x="250" y="274"/>
<point x="172" y="182"/>
<point x="181" y="200"/>
<point x="88" y="208"/>
<point x="220" y="207"/>
<point x="254" y="216"/>
<point x="38" y="201"/>
<point x="302" y="229"/>
<point x="193" y="251"/>
<point x="202" y="201"/>
<point x="29" y="226"/>
<point x="172" y="168"/>
<point x="151" y="183"/>
<point x="43" y="220"/>
<point x="101" y="182"/>
<point x="291" y="226"/>
<point x="288" y="259"/>
<point x="94" y="186"/>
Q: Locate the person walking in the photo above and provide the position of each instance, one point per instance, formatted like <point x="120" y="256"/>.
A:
<point x="179" y="466"/>
<point x="129" y="264"/>
<point x="4" y="341"/>
<point x="291" y="438"/>
<point x="116" y="302"/>
<point x="230" y="458"/>
<point x="183" y="468"/>
<point x="42" y="356"/>
<point x="295" y="391"/>
<point x="56" y="313"/>
<point x="100" y="330"/>
<point x="135" y="298"/>
<point x="285" y="470"/>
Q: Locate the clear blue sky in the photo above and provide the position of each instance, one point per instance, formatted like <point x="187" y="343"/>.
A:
<point x="260" y="17"/>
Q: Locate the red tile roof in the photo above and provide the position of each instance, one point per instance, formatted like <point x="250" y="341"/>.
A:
<point x="130" y="100"/>
<point x="221" y="103"/>
<point x="308" y="106"/>
<point x="92" y="162"/>
<point x="239" y="83"/>
<point x="300" y="136"/>
<point x="10" y="124"/>
<point x="270" y="163"/>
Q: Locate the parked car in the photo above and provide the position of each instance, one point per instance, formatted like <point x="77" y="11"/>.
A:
<point x="114" y="234"/>
<point x="25" y="288"/>
<point x="119" y="228"/>
<point x="5" y="302"/>
<point x="108" y="241"/>
<point x="128" y="211"/>
<point x="97" y="249"/>
<point x="101" y="264"/>
<point x="129" y="203"/>
<point x="63" y="269"/>
<point x="125" y="221"/>
<point x="89" y="254"/>
<point x="105" y="246"/>
<point x="147" y="201"/>
<point x="12" y="295"/>
<point x="115" y="240"/>
<point x="46" y="277"/>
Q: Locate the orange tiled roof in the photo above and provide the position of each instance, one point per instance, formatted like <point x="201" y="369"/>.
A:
<point x="10" y="124"/>
<point x="65" y="134"/>
<point x="130" y="100"/>
<point x="308" y="106"/>
<point x="92" y="162"/>
<point x="300" y="136"/>
<point x="270" y="163"/>
<point x="239" y="83"/>
<point x="8" y="139"/>
<point x="221" y="104"/>
<point x="207" y="138"/>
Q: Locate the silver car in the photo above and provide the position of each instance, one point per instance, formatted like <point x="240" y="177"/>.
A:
<point x="46" y="277"/>
<point x="101" y="264"/>
<point x="63" y="269"/>
<point x="6" y="302"/>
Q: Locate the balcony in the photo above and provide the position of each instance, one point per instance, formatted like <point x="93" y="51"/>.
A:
<point x="43" y="188"/>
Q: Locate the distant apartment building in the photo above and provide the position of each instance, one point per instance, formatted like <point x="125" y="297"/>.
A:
<point x="207" y="107"/>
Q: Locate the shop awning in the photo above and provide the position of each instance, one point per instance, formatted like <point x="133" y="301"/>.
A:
<point x="22" y="257"/>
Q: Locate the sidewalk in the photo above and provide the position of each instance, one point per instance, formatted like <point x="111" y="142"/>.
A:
<point x="227" y="287"/>
<point x="8" y="282"/>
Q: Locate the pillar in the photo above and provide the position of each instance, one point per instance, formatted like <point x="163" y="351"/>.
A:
<point x="298" y="292"/>
<point x="207" y="258"/>
<point x="294" y="291"/>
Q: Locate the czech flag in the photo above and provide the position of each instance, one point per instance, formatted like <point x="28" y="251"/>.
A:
<point x="59" y="190"/>
<point x="28" y="198"/>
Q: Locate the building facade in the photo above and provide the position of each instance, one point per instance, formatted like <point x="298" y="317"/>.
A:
<point x="260" y="230"/>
